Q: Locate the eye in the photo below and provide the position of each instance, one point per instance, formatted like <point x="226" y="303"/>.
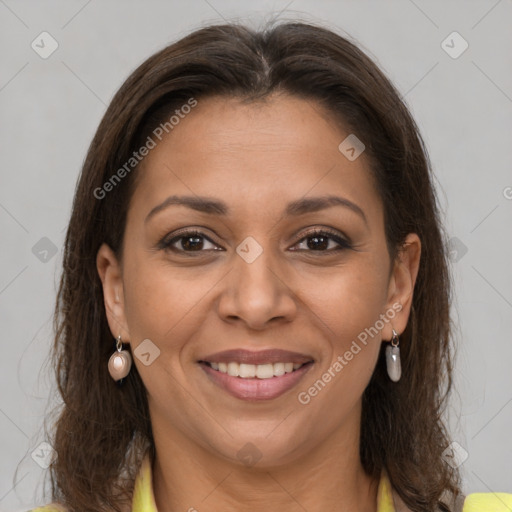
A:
<point x="196" y="241"/>
<point x="188" y="241"/>
<point x="320" y="240"/>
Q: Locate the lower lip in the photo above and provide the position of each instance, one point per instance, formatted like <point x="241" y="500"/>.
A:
<point x="256" y="389"/>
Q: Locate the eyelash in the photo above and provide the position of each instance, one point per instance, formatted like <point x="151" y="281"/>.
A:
<point x="344" y="244"/>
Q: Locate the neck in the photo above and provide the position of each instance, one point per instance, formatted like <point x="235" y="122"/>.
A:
<point x="330" y="477"/>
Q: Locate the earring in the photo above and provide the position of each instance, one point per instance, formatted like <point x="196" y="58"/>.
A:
<point x="393" y="363"/>
<point x="120" y="362"/>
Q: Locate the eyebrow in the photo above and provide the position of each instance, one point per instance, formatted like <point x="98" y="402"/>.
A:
<point x="295" y="208"/>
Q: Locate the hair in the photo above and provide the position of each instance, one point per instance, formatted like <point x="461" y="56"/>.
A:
<point x="103" y="430"/>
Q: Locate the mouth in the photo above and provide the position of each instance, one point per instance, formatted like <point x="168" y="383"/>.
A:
<point x="256" y="376"/>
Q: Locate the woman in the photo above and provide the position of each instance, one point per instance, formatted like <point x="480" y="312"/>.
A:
<point x="254" y="308"/>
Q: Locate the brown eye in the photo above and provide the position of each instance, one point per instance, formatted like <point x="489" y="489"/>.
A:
<point x="189" y="241"/>
<point x="324" y="241"/>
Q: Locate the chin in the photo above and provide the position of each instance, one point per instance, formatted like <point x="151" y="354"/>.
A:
<point x="260" y="451"/>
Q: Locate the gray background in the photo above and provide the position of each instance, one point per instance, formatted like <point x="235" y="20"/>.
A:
<point x="50" y="109"/>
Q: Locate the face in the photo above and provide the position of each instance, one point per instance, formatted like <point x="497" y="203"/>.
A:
<point x="299" y="290"/>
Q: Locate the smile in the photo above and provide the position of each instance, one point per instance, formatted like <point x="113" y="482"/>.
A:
<point x="255" y="382"/>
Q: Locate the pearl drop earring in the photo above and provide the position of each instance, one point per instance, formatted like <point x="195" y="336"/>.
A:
<point x="120" y="362"/>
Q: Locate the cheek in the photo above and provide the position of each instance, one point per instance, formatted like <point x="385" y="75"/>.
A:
<point x="350" y="315"/>
<point x="351" y="305"/>
<point x="149" y="305"/>
<point x="162" y="306"/>
<point x="160" y="299"/>
<point x="349" y="299"/>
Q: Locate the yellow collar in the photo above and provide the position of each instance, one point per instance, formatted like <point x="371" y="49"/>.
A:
<point x="144" y="499"/>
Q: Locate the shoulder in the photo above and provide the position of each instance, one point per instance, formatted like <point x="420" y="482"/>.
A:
<point x="488" y="502"/>
<point x="52" y="507"/>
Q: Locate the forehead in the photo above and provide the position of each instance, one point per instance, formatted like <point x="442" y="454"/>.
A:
<point x="250" y="153"/>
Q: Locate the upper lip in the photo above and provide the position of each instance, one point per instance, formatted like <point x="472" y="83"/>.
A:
<point x="261" y="357"/>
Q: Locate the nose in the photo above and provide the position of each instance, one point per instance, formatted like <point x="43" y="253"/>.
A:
<point x="255" y="290"/>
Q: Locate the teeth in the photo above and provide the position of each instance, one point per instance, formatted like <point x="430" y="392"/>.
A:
<point x="264" y="371"/>
<point x="250" y="371"/>
<point x="279" y="369"/>
<point x="247" y="371"/>
<point x="233" y="369"/>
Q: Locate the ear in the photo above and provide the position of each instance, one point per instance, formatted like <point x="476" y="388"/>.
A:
<point x="110" y="273"/>
<point x="401" y="284"/>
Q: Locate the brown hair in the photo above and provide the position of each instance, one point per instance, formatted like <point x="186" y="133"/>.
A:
<point x="104" y="429"/>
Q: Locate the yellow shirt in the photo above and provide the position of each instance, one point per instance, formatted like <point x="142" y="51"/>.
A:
<point x="144" y="500"/>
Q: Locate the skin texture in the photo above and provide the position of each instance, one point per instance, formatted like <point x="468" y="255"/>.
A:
<point x="256" y="158"/>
